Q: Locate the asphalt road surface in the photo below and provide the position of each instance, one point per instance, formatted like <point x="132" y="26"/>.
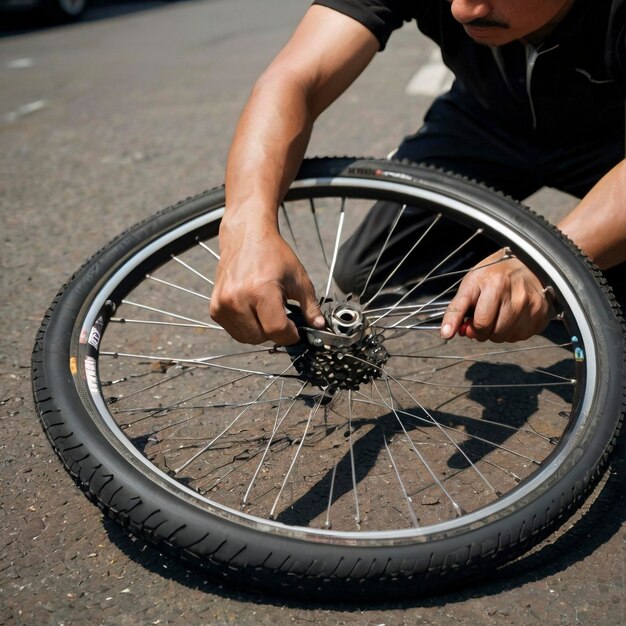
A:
<point x="101" y="124"/>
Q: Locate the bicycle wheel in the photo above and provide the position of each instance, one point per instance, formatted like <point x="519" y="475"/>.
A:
<point x="372" y="459"/>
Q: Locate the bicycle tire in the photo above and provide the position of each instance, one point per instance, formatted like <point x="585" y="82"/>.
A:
<point x="478" y="497"/>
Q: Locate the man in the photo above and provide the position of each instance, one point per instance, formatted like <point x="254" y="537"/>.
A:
<point x="538" y="99"/>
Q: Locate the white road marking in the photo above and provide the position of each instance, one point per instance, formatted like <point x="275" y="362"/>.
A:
<point x="431" y="79"/>
<point x="18" y="64"/>
<point x="25" y="109"/>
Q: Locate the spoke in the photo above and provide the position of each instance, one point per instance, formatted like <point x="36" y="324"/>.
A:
<point x="427" y="308"/>
<point x="382" y="249"/>
<point x="458" y="360"/>
<point x="443" y="431"/>
<point x="312" y="413"/>
<point x="394" y="331"/>
<point x="425" y="278"/>
<point x="216" y="482"/>
<point x="434" y="302"/>
<point x="167" y="379"/>
<point x="507" y="471"/>
<point x="165" y="409"/>
<point x="318" y="231"/>
<point x="543" y="346"/>
<point x="419" y="381"/>
<point x="504" y="257"/>
<point x="204" y="407"/>
<point x="170" y="314"/>
<point x="191" y="269"/>
<point x="127" y="320"/>
<point x="201" y="362"/>
<point x="403" y="259"/>
<point x="523" y="366"/>
<point x="232" y="423"/>
<point x="459" y="511"/>
<point x="189" y="291"/>
<point x="209" y="250"/>
<point x="331" y="271"/>
<point x="289" y="227"/>
<point x="425" y="324"/>
<point x="431" y="314"/>
<point x="357" y="516"/>
<point x="277" y="424"/>
<point x="407" y="498"/>
<point x="327" y="523"/>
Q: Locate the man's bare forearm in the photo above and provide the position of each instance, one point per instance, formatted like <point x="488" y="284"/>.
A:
<point x="598" y="224"/>
<point x="268" y="147"/>
<point x="326" y="53"/>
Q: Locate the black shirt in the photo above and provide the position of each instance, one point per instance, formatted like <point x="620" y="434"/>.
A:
<point x="572" y="84"/>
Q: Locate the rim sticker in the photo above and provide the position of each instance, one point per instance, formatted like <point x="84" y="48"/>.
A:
<point x="96" y="333"/>
<point x="91" y="374"/>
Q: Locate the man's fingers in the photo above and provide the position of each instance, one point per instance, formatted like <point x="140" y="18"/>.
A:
<point x="309" y="305"/>
<point x="499" y="301"/>
<point x="242" y="327"/>
<point x="455" y="315"/>
<point x="272" y="317"/>
<point x="271" y="314"/>
<point x="487" y="308"/>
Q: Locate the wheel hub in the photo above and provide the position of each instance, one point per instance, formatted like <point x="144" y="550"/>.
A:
<point x="345" y="355"/>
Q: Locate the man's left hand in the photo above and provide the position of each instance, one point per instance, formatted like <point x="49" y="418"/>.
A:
<point x="499" y="300"/>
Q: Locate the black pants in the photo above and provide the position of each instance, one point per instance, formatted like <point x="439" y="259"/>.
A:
<point x="457" y="138"/>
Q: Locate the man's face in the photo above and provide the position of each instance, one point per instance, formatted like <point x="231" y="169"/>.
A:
<point x="498" y="22"/>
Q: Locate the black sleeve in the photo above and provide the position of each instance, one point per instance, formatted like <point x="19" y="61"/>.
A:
<point x="616" y="44"/>
<point x="381" y="17"/>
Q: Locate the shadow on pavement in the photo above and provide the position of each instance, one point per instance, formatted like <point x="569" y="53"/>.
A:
<point x="594" y="525"/>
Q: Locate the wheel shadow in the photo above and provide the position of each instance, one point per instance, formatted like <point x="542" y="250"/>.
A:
<point x="593" y="526"/>
<point x="517" y="403"/>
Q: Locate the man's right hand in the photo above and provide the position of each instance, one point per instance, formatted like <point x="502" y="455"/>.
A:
<point x="255" y="277"/>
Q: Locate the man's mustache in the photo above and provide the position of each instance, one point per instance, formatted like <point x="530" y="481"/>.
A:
<point x="483" y="23"/>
